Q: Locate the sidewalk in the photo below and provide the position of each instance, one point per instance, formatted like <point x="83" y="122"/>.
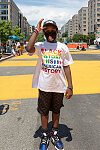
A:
<point x="4" y="57"/>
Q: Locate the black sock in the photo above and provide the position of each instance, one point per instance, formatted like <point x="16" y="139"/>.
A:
<point x="55" y="129"/>
<point x="45" y="130"/>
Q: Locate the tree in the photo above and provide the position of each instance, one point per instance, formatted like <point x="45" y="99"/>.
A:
<point x="40" y="37"/>
<point x="85" y="38"/>
<point x="16" y="31"/>
<point x="77" y="37"/>
<point x="68" y="39"/>
<point x="91" y="38"/>
<point x="5" y="31"/>
<point x="60" y="40"/>
<point x="65" y="34"/>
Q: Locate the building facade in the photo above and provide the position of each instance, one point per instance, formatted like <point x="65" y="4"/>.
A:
<point x="70" y="28"/>
<point x="83" y="21"/>
<point x="64" y="28"/>
<point x="94" y="17"/>
<point x="10" y="11"/>
<point x="75" y="24"/>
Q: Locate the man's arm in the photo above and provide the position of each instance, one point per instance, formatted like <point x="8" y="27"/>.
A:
<point x="30" y="46"/>
<point x="69" y="91"/>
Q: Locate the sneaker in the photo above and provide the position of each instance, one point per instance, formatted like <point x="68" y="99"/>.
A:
<point x="44" y="141"/>
<point x="56" y="141"/>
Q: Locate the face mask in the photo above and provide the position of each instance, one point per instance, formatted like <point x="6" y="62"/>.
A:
<point x="50" y="35"/>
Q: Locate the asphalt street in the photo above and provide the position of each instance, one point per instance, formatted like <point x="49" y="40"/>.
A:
<point x="20" y="124"/>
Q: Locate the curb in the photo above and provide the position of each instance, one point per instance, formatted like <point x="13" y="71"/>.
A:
<point x="2" y="59"/>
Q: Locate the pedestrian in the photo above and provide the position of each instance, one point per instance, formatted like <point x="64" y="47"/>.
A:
<point x="21" y="48"/>
<point x="13" y="51"/>
<point x="49" y="78"/>
<point x="8" y="48"/>
<point x="18" y="48"/>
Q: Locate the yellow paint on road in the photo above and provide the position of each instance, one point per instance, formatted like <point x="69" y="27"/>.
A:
<point x="17" y="87"/>
<point x="25" y="56"/>
<point x="85" y="52"/>
<point x="12" y="105"/>
<point x="86" y="79"/>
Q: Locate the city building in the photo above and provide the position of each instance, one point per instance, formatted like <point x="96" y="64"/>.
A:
<point x="59" y="35"/>
<point x="64" y="28"/>
<point x="70" y="28"/>
<point x="75" y="24"/>
<point x="26" y="27"/>
<point x="94" y="17"/>
<point x="10" y="11"/>
<point x="83" y="21"/>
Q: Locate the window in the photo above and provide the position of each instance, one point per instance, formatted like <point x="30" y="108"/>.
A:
<point x="84" y="29"/>
<point x="84" y="18"/>
<point x="98" y="15"/>
<point x="98" y="4"/>
<point x="84" y="14"/>
<point x="3" y="6"/>
<point x="98" y="9"/>
<point x="84" y="21"/>
<point x="98" y="25"/>
<point x="3" y="0"/>
<point x="2" y="12"/>
<point x="84" y="25"/>
<point x="83" y="10"/>
<point x="3" y="17"/>
<point x="98" y="20"/>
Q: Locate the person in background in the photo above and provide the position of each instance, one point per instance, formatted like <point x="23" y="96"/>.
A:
<point x="21" y="48"/>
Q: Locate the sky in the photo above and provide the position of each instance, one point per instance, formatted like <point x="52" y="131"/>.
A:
<point x="58" y="10"/>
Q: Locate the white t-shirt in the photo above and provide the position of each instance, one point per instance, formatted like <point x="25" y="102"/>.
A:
<point x="49" y="74"/>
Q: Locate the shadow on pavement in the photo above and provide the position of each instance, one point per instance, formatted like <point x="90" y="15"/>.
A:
<point x="3" y="109"/>
<point x="64" y="131"/>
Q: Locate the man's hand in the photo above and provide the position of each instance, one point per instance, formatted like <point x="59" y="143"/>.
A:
<point x="68" y="93"/>
<point x="39" y="25"/>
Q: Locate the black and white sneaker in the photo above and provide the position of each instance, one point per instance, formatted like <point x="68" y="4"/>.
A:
<point x="55" y="139"/>
<point x="44" y="141"/>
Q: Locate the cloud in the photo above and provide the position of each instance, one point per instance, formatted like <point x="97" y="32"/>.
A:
<point x="57" y="11"/>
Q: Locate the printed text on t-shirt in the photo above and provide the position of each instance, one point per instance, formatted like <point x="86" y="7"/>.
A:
<point x="51" y="60"/>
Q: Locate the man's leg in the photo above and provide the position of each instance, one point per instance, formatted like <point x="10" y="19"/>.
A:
<point x="57" y="103"/>
<point x="43" y="108"/>
<point x="55" y="119"/>
<point x="44" y="122"/>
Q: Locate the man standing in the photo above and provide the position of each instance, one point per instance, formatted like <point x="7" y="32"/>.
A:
<point x="55" y="60"/>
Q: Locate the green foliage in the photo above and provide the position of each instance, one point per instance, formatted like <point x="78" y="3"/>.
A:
<point x="68" y="40"/>
<point x="60" y="40"/>
<point x="92" y="38"/>
<point x="16" y="32"/>
<point x="40" y="37"/>
<point x="77" y="37"/>
<point x="65" y="34"/>
<point x="21" y="36"/>
<point x="5" y="30"/>
<point x="85" y="38"/>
